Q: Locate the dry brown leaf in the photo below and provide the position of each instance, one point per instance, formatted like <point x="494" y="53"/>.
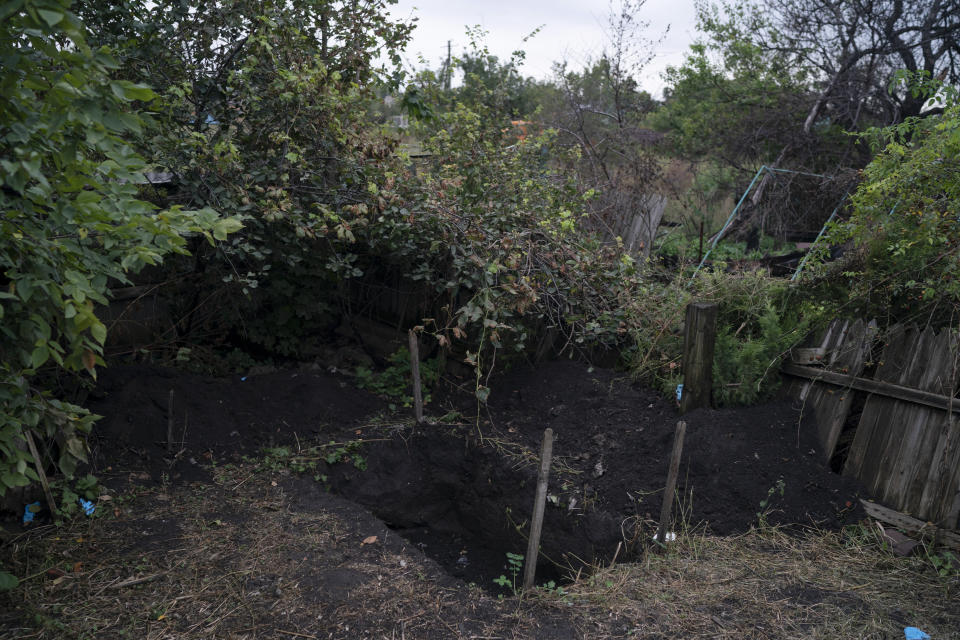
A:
<point x="89" y="360"/>
<point x="369" y="540"/>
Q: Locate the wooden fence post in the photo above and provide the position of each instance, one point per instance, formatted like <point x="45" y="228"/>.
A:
<point x="38" y="465"/>
<point x="671" y="481"/>
<point x="536" y="523"/>
<point x="415" y="373"/>
<point x="170" y="423"/>
<point x="700" y="333"/>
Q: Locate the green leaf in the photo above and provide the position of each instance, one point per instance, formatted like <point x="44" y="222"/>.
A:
<point x="77" y="448"/>
<point x="98" y="331"/>
<point x="50" y="17"/>
<point x="13" y="480"/>
<point x="226" y="226"/>
<point x="7" y="9"/>
<point x="39" y="356"/>
<point x="8" y="581"/>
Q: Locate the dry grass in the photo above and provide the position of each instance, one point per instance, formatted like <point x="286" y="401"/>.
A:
<point x="769" y="584"/>
<point x="238" y="558"/>
<point x="232" y="559"/>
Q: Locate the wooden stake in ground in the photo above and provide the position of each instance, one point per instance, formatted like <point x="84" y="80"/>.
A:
<point x="415" y="373"/>
<point x="700" y="334"/>
<point x="536" y="522"/>
<point x="671" y="487"/>
<point x="40" y="472"/>
<point x="700" y="250"/>
<point x="170" y="423"/>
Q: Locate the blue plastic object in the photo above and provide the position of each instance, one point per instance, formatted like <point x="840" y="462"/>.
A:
<point x="679" y="392"/>
<point x="87" y="506"/>
<point x="29" y="511"/>
<point x="912" y="633"/>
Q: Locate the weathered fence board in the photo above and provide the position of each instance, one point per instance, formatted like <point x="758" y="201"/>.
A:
<point x="910" y="458"/>
<point x="846" y="351"/>
<point x="906" y="448"/>
<point x="868" y="442"/>
<point x="813" y="355"/>
<point x="898" y="460"/>
<point x="886" y="389"/>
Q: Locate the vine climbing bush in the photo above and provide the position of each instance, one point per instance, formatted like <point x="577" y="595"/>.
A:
<point x="903" y="232"/>
<point x="72" y="222"/>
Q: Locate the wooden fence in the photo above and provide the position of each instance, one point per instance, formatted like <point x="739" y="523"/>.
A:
<point x="905" y="447"/>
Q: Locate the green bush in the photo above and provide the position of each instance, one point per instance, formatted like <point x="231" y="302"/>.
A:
<point x="903" y="233"/>
<point x="72" y="224"/>
<point x="394" y="381"/>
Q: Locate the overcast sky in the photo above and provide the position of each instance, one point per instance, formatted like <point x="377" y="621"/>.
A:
<point x="573" y="30"/>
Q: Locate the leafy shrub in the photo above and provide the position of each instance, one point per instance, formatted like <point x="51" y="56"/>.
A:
<point x="903" y="232"/>
<point x="262" y="113"/>
<point x="72" y="221"/>
<point x="758" y="321"/>
<point x="491" y="231"/>
<point x="395" y="380"/>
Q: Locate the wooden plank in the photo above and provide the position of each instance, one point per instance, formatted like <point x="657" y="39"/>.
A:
<point x="911" y="524"/>
<point x="867" y="439"/>
<point x="671" y="488"/>
<point x="953" y="516"/>
<point x="923" y="428"/>
<point x="891" y="423"/>
<point x="824" y="400"/>
<point x="903" y="456"/>
<point x="940" y="494"/>
<point x="822" y="346"/>
<point x="414" y="349"/>
<point x="849" y="357"/>
<point x="539" y="503"/>
<point x="877" y="387"/>
<point x="799" y="388"/>
<point x="831" y="356"/>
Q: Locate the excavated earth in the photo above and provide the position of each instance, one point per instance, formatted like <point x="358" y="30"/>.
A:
<point x="460" y="489"/>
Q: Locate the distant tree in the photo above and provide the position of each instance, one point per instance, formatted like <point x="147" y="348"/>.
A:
<point x="782" y="82"/>
<point x="602" y="110"/>
<point x="487" y="83"/>
<point x="733" y="102"/>
<point x="856" y="46"/>
<point x="494" y="83"/>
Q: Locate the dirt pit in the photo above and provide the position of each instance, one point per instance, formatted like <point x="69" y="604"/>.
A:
<point x="461" y="490"/>
<point x="467" y="505"/>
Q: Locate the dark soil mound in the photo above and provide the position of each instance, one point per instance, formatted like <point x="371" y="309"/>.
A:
<point x="217" y="418"/>
<point x="619" y="436"/>
<point x="462" y="492"/>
